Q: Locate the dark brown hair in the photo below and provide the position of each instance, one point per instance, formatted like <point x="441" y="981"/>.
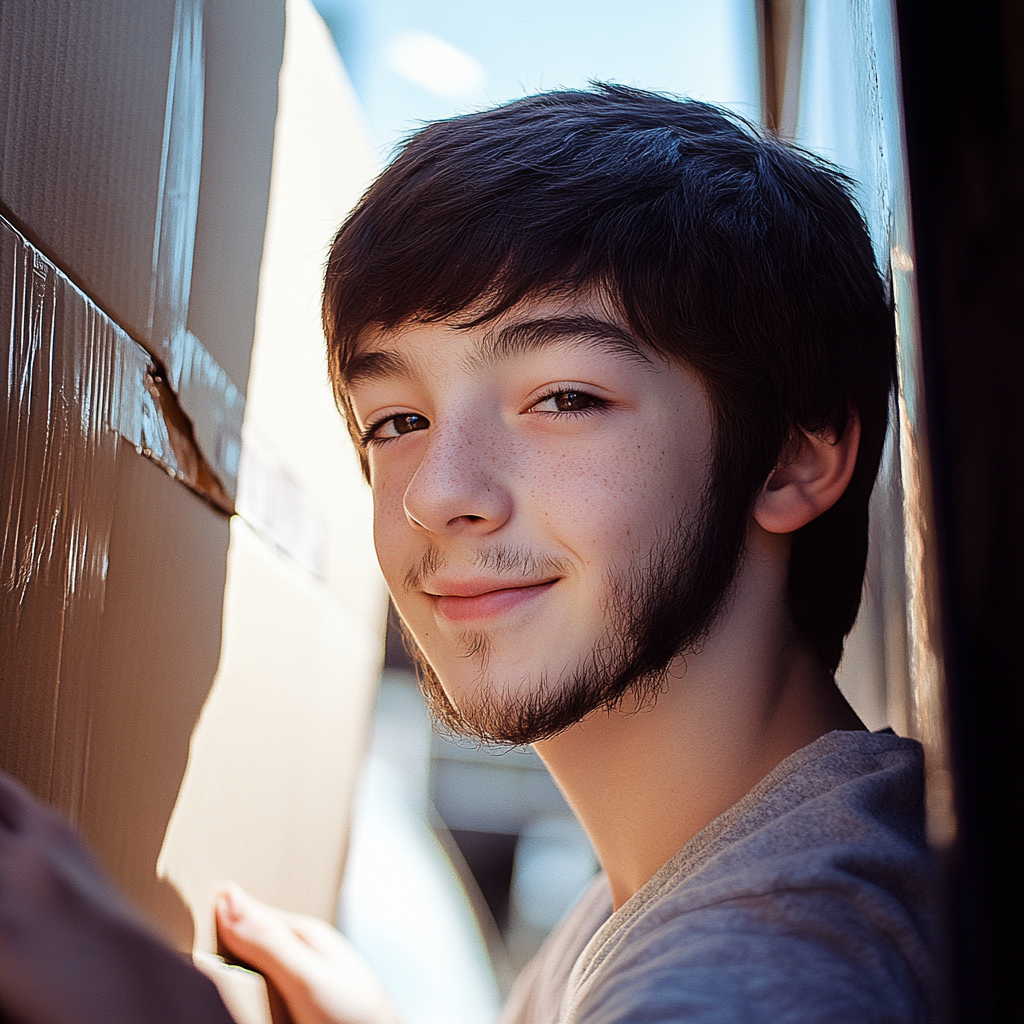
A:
<point x="740" y="255"/>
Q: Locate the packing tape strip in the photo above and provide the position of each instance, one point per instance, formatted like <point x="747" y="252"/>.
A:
<point x="205" y="393"/>
<point x="73" y="388"/>
<point x="71" y="377"/>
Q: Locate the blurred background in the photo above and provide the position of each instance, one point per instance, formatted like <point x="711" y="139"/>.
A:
<point x="413" y="61"/>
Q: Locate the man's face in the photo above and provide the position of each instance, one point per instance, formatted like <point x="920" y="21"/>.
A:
<point x="536" y="481"/>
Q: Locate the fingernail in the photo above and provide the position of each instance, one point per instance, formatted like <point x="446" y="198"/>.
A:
<point x="232" y="901"/>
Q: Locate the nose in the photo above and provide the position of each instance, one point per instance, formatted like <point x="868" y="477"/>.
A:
<point x="458" y="487"/>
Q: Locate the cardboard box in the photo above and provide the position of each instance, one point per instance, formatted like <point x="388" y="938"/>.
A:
<point x="190" y="627"/>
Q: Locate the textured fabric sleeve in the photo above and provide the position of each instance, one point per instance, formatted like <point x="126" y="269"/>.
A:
<point x="799" y="957"/>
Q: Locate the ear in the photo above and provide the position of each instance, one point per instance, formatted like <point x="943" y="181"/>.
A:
<point x="810" y="478"/>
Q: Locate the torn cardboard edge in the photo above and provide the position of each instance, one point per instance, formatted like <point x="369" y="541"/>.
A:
<point x="146" y="411"/>
<point x="139" y="404"/>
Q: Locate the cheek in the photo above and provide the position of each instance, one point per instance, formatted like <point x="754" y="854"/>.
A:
<point x="391" y="533"/>
<point x="607" y="500"/>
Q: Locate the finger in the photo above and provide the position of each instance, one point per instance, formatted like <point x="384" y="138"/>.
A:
<point x="319" y="975"/>
<point x="260" y="935"/>
<point x="320" y="935"/>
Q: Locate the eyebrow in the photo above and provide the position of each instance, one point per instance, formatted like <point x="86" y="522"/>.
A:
<point x="530" y="335"/>
<point x="365" y="367"/>
<point x="506" y="342"/>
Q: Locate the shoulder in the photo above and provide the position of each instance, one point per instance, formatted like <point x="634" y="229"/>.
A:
<point x="806" y="901"/>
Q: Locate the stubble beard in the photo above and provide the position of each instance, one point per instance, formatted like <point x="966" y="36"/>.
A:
<point x="661" y="607"/>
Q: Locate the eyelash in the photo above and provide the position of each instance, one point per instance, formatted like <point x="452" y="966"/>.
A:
<point x="595" y="402"/>
<point x="368" y="438"/>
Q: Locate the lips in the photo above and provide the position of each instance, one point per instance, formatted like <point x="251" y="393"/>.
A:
<point x="486" y="599"/>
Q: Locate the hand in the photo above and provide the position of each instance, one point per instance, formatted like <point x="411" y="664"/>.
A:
<point x="316" y="972"/>
<point x="72" y="950"/>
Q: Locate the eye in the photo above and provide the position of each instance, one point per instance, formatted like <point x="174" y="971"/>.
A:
<point x="394" y="426"/>
<point x="568" y="400"/>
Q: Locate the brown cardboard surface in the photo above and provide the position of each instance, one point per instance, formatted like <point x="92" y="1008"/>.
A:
<point x="74" y="406"/>
<point x="85" y="129"/>
<point x="243" y="61"/>
<point x="112" y="579"/>
<point x="159" y="647"/>
<point x="195" y="692"/>
<point x="304" y="492"/>
<point x="84" y="90"/>
<point x="275" y="754"/>
<point x="105" y="165"/>
<point x="43" y="475"/>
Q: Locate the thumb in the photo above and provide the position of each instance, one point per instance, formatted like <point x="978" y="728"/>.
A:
<point x="259" y="935"/>
<point x="320" y="978"/>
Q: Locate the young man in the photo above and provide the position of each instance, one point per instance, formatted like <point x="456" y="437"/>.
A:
<point x="618" y="369"/>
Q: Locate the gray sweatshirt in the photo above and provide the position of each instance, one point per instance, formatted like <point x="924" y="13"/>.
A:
<point x="806" y="901"/>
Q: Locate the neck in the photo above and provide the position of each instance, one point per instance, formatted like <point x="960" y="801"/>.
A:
<point x="645" y="781"/>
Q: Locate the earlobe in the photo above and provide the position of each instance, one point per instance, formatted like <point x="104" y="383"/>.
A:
<point x="811" y="476"/>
